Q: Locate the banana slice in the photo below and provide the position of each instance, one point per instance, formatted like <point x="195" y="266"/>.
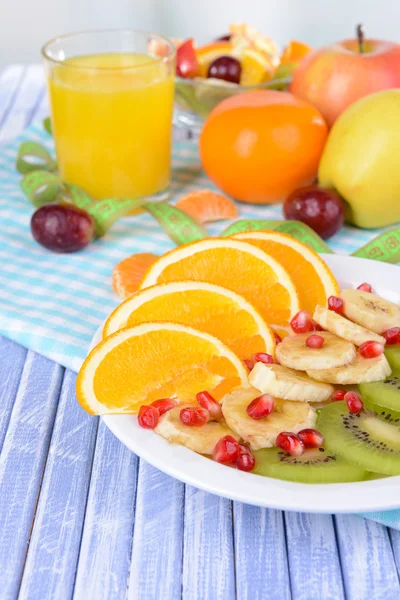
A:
<point x="361" y="370"/>
<point x="292" y="352"/>
<point x="287" y="384"/>
<point x="370" y="311"/>
<point x="200" y="439"/>
<point x="344" y="328"/>
<point x="262" y="433"/>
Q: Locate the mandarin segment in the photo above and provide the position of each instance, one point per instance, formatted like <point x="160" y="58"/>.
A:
<point x="128" y="274"/>
<point x="207" y="206"/>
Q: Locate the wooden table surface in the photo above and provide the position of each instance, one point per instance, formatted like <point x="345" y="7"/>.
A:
<point x="82" y="517"/>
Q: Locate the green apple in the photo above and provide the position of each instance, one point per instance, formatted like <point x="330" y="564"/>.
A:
<point x="361" y="160"/>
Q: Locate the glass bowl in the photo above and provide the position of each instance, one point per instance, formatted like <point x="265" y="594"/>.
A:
<point x="195" y="98"/>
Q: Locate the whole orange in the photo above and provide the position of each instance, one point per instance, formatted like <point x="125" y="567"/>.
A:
<point x="259" y="146"/>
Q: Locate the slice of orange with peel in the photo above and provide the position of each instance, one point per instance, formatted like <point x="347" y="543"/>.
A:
<point x="294" y="52"/>
<point x="257" y="67"/>
<point x="313" y="279"/>
<point x="140" y="364"/>
<point x="205" y="306"/>
<point x="237" y="266"/>
<point x="207" y="206"/>
<point x="208" y="53"/>
<point x="128" y="273"/>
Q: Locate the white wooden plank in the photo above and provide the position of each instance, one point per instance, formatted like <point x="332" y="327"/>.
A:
<point x="208" y="555"/>
<point x="260" y="551"/>
<point x="395" y="539"/>
<point x="158" y="537"/>
<point x="313" y="557"/>
<point x="12" y="359"/>
<point x="367" y="560"/>
<point x="50" y="566"/>
<point x="10" y="80"/>
<point x="104" y="560"/>
<point x="22" y="463"/>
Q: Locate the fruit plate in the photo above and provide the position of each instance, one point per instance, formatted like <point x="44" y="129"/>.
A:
<point x="203" y="473"/>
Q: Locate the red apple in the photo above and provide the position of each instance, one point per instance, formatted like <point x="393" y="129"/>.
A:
<point x="332" y="78"/>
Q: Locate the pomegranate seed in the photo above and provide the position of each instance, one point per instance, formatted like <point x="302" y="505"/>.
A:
<point x="315" y="341"/>
<point x="209" y="403"/>
<point x="263" y="357"/>
<point x="311" y="438"/>
<point x="315" y="326"/>
<point x="148" y="417"/>
<point x="290" y="443"/>
<point x="354" y="402"/>
<point x="338" y="395"/>
<point x="245" y="460"/>
<point x="392" y="336"/>
<point x="301" y="322"/>
<point x="277" y="337"/>
<point x="164" y="405"/>
<point x="336" y="304"/>
<point x="249" y="364"/>
<point x="365" y="287"/>
<point x="371" y="349"/>
<point x="194" y="417"/>
<point x="260" y="407"/>
<point x="226" y="450"/>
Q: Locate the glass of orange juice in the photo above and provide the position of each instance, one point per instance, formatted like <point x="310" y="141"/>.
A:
<point x="111" y="102"/>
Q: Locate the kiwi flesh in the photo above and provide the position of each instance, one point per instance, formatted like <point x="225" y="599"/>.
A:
<point x="370" y="439"/>
<point x="314" y="466"/>
<point x="392" y="354"/>
<point x="384" y="393"/>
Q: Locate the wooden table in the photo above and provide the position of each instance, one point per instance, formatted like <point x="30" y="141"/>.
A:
<point x="82" y="517"/>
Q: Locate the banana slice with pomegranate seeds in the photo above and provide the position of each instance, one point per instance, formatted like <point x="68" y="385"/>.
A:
<point x="288" y="384"/>
<point x="199" y="439"/>
<point x="360" y="370"/>
<point x="370" y="311"/>
<point x="293" y="352"/>
<point x="262" y="433"/>
<point x="343" y="328"/>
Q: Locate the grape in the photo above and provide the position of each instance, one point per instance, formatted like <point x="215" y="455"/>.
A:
<point x="226" y="68"/>
<point x="62" y="227"/>
<point x="320" y="208"/>
<point x="224" y="38"/>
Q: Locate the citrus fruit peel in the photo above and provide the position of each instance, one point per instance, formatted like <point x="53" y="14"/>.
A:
<point x="207" y="206"/>
<point x="128" y="273"/>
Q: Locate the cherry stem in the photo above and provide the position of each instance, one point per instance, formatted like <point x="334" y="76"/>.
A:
<point x="360" y="37"/>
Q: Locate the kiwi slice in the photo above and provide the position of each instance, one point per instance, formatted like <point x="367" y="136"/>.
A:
<point x="392" y="353"/>
<point x="314" y="466"/>
<point x="370" y="439"/>
<point x="384" y="393"/>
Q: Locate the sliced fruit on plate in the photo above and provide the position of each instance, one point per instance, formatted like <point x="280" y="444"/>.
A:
<point x="369" y="439"/>
<point x="199" y="439"/>
<point x="392" y="353"/>
<point x="293" y="352"/>
<point x="205" y="306"/>
<point x="236" y="265"/>
<point x="312" y="277"/>
<point x="344" y="328"/>
<point x="262" y="433"/>
<point x="360" y="370"/>
<point x="207" y="206"/>
<point x="128" y="273"/>
<point x="384" y="393"/>
<point x="313" y="466"/>
<point x="370" y="311"/>
<point x="147" y="362"/>
<point x="288" y="384"/>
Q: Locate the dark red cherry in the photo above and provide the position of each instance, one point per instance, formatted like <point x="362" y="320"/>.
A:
<point x="227" y="68"/>
<point x="320" y="208"/>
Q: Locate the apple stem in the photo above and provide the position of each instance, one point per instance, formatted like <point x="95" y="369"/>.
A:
<point x="360" y="37"/>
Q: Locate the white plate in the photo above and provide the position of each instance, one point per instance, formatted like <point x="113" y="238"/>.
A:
<point x="380" y="494"/>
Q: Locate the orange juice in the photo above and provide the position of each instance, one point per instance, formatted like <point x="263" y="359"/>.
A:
<point x="112" y="119"/>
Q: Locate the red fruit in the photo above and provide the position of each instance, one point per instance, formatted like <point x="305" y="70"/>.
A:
<point x="62" y="227"/>
<point x="371" y="349"/>
<point x="187" y="64"/>
<point x="338" y="395"/>
<point x="311" y="438"/>
<point x="263" y="357"/>
<point x="301" y="322"/>
<point x="209" y="403"/>
<point x="277" y="337"/>
<point x="336" y="304"/>
<point x="392" y="336"/>
<point x="365" y="287"/>
<point x="245" y="460"/>
<point x="164" y="405"/>
<point x="260" y="407"/>
<point x="226" y="450"/>
<point x="354" y="402"/>
<point x="148" y="417"/>
<point x="290" y="443"/>
<point x="249" y="364"/>
<point x="227" y="68"/>
<point x="315" y="341"/>
<point x="315" y="326"/>
<point x="194" y="417"/>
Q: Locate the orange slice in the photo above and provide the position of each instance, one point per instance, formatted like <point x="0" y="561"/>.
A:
<point x="207" y="206"/>
<point x="237" y="266"/>
<point x="313" y="279"/>
<point x="128" y="273"/>
<point x="205" y="306"/>
<point x="140" y="364"/>
<point x="294" y="52"/>
<point x="257" y="67"/>
<point x="208" y="53"/>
